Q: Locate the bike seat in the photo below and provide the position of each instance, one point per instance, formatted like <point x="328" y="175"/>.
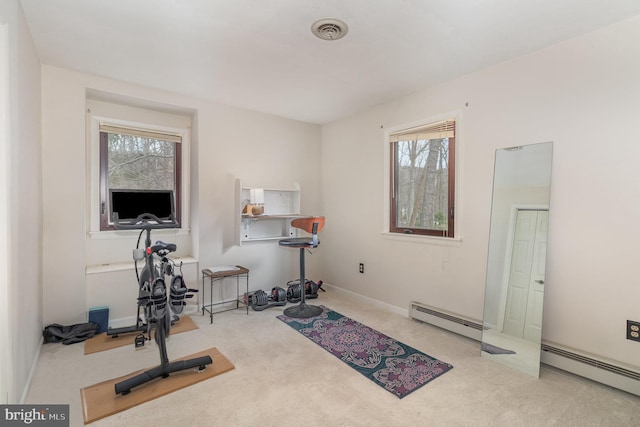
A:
<point x="163" y="248"/>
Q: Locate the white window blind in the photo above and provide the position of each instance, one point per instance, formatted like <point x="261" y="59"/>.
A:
<point x="436" y="130"/>
<point x="141" y="133"/>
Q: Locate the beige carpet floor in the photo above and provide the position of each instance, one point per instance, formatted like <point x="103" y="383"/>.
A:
<point x="283" y="379"/>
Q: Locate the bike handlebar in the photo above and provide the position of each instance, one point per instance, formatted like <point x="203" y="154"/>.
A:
<point x="143" y="221"/>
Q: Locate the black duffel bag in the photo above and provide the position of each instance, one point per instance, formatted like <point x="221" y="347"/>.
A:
<point x="69" y="334"/>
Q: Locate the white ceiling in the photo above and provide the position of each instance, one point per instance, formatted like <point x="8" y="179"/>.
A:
<point x="261" y="55"/>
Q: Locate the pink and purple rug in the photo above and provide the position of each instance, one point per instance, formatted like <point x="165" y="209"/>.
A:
<point x="397" y="367"/>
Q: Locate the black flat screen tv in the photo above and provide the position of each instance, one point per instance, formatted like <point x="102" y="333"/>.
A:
<point x="129" y="204"/>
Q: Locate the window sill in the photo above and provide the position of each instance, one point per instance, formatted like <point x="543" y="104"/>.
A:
<point x="127" y="266"/>
<point x="117" y="234"/>
<point x="422" y="239"/>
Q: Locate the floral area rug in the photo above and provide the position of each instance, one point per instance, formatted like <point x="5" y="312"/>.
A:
<point x="397" y="367"/>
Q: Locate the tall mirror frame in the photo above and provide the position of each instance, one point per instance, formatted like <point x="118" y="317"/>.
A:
<point x="516" y="261"/>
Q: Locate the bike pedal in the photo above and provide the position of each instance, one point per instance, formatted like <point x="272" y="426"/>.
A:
<point x="139" y="341"/>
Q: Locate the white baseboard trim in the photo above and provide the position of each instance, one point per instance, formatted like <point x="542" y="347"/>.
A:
<point x="374" y="302"/>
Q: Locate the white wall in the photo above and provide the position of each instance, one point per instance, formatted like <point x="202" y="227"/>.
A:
<point x="226" y="143"/>
<point x="5" y="136"/>
<point x="261" y="151"/>
<point x="21" y="293"/>
<point x="583" y="95"/>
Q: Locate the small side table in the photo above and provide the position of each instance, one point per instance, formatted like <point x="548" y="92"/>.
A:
<point x="216" y="275"/>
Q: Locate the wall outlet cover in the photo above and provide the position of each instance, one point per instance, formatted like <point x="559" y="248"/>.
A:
<point x="633" y="330"/>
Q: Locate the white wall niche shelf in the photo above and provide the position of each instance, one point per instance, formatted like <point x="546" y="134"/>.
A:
<point x="281" y="205"/>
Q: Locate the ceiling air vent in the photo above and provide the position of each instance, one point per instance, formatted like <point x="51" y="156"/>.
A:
<point x="329" y="29"/>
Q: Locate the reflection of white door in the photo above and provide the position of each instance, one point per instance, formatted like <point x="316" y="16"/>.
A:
<point x="523" y="312"/>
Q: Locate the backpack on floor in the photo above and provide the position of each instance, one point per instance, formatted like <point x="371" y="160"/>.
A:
<point x="69" y="334"/>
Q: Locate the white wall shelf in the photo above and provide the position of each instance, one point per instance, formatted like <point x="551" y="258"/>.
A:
<point x="281" y="205"/>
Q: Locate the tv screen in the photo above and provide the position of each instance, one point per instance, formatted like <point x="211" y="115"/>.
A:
<point x="129" y="204"/>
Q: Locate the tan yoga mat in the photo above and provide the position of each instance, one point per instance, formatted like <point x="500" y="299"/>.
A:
<point x="100" y="400"/>
<point x="102" y="342"/>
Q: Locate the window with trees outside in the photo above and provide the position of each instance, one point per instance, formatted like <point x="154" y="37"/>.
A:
<point x="423" y="179"/>
<point x="135" y="159"/>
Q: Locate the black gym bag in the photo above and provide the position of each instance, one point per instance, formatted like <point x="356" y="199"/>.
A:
<point x="69" y="334"/>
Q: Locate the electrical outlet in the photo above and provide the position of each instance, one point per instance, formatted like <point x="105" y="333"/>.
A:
<point x="633" y="330"/>
<point x="361" y="268"/>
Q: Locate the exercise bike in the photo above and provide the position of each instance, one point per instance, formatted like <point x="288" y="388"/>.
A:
<point x="153" y="300"/>
<point x="166" y="267"/>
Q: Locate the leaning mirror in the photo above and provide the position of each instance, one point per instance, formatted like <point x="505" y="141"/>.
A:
<point x="514" y="292"/>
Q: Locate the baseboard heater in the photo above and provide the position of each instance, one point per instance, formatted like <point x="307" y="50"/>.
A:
<point x="446" y="320"/>
<point x="570" y="360"/>
<point x="589" y="366"/>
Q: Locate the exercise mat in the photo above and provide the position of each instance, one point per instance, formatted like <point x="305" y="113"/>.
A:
<point x="398" y="368"/>
<point x="102" y="342"/>
<point x="100" y="400"/>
